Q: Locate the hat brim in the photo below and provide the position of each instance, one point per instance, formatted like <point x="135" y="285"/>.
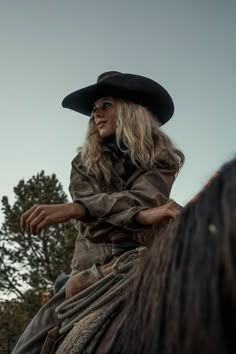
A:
<point x="129" y="87"/>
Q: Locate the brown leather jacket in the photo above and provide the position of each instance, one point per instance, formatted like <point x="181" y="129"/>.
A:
<point x="111" y="207"/>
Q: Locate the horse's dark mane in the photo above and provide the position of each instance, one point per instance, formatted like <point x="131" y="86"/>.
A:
<point x="184" y="300"/>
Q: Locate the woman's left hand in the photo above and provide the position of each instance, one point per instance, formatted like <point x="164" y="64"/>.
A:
<point x="40" y="216"/>
<point x="157" y="215"/>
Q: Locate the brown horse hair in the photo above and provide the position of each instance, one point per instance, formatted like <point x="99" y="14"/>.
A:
<point x="184" y="297"/>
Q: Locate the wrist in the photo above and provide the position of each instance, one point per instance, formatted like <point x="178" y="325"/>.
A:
<point x="77" y="211"/>
<point x="139" y="217"/>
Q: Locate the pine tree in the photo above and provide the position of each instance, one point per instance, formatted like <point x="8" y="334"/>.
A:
<point x="30" y="262"/>
<point x="13" y="320"/>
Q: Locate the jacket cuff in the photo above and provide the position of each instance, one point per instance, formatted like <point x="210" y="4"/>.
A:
<point x="125" y="219"/>
<point x="88" y="218"/>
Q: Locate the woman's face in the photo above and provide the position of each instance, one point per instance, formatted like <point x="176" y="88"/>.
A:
<point x="104" y="113"/>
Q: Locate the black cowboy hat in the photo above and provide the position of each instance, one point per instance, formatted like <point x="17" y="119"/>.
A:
<point x="134" y="88"/>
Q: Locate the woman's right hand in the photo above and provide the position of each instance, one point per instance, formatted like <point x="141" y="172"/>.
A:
<point x="38" y="217"/>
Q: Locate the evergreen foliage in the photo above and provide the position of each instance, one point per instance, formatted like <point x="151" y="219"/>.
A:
<point x="29" y="265"/>
<point x="27" y="261"/>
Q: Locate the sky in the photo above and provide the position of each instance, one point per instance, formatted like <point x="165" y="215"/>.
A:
<point x="51" y="48"/>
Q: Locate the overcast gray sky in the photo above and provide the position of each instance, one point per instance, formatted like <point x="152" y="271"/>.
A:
<point x="51" y="48"/>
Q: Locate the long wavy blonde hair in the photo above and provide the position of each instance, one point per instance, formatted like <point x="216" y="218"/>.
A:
<point x="137" y="131"/>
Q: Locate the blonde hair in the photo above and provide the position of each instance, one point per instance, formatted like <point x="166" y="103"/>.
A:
<point x="137" y="131"/>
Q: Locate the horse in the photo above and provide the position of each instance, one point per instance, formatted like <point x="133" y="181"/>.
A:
<point x="181" y="298"/>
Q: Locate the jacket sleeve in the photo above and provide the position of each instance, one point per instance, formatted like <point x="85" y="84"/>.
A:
<point x="150" y="189"/>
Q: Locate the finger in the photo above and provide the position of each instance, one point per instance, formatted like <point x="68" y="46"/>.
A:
<point x="35" y="213"/>
<point x="35" y="222"/>
<point x="42" y="225"/>
<point x="25" y="216"/>
<point x="174" y="212"/>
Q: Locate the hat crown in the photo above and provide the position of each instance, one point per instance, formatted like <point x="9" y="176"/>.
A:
<point x="107" y="74"/>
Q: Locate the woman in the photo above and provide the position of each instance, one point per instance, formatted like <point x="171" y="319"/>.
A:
<point x="120" y="177"/>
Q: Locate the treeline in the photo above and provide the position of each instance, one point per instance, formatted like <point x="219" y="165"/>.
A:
<point x="29" y="265"/>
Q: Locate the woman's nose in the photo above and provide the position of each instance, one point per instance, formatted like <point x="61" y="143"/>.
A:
<point x="98" y="112"/>
<point x="98" y="115"/>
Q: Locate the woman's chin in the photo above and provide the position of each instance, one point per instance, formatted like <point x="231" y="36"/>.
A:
<point x="105" y="134"/>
